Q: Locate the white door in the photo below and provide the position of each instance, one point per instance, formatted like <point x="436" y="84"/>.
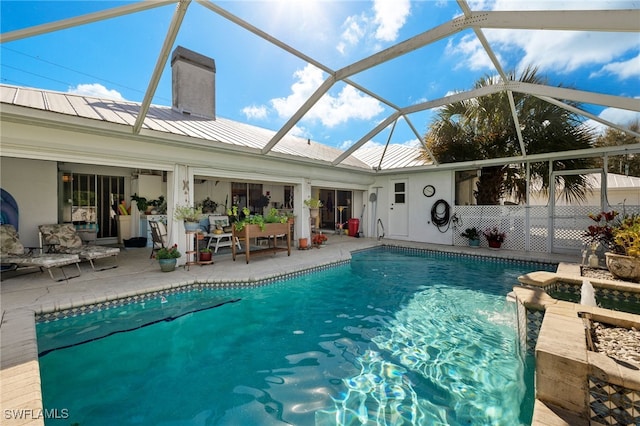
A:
<point x="398" y="209"/>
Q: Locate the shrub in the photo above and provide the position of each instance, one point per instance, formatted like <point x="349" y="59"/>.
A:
<point x="169" y="253"/>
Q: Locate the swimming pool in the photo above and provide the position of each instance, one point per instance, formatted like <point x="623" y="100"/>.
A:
<point x="391" y="338"/>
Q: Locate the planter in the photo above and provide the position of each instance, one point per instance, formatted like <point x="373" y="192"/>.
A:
<point x="302" y="243"/>
<point x="494" y="244"/>
<point x="474" y="243"/>
<point x="624" y="267"/>
<point x="272" y="231"/>
<point x="314" y="213"/>
<point x="191" y="226"/>
<point x="167" y="265"/>
<point x="205" y="257"/>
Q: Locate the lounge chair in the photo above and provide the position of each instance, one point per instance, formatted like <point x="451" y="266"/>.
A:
<point x="63" y="238"/>
<point x="15" y="255"/>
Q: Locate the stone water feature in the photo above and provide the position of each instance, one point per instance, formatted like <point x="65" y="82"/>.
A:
<point x="581" y="378"/>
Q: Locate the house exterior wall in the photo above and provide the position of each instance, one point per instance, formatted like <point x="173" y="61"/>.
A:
<point x="27" y="145"/>
<point x="33" y="184"/>
<point x="419" y="225"/>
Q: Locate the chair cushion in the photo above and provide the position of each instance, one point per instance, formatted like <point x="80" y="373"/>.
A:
<point x="45" y="260"/>
<point x="218" y="222"/>
<point x="9" y="242"/>
<point x="60" y="235"/>
<point x="91" y="251"/>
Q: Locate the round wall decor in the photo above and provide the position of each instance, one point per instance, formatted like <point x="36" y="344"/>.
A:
<point x="429" y="191"/>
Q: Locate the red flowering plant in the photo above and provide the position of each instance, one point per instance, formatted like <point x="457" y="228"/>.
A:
<point x="319" y="239"/>
<point x="602" y="232"/>
<point x="494" y="234"/>
<point x="169" y="253"/>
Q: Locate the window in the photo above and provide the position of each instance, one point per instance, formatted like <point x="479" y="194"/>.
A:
<point x="399" y="192"/>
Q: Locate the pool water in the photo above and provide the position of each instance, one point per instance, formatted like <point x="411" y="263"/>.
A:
<point x="391" y="338"/>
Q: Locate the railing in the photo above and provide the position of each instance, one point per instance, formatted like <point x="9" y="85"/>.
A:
<point x="528" y="227"/>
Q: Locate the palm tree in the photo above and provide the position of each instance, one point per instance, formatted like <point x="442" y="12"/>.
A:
<point x="483" y="128"/>
<point x="628" y="164"/>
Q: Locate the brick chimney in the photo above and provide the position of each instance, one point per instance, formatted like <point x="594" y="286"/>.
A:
<point x="193" y="78"/>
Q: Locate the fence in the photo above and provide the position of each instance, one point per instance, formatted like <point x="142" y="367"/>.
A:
<point x="531" y="228"/>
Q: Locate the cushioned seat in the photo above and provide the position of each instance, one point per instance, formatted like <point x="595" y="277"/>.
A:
<point x="220" y="231"/>
<point x="12" y="252"/>
<point x="63" y="238"/>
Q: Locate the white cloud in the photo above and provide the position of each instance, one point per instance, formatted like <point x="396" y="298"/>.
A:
<point x="557" y="51"/>
<point x="411" y="143"/>
<point x="354" y="30"/>
<point x="473" y="55"/>
<point x="383" y="23"/>
<point x="300" y="131"/>
<point x="623" y="69"/>
<point x="346" y="144"/>
<point x="96" y="90"/>
<point x="331" y="110"/>
<point x="621" y="117"/>
<point x="255" y="112"/>
<point x="390" y="15"/>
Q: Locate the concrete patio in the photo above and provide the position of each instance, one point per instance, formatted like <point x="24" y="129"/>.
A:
<point x="26" y="295"/>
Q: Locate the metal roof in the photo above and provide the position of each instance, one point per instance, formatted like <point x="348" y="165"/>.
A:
<point x="166" y="120"/>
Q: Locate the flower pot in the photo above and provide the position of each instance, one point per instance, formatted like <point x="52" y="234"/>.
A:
<point x="191" y="226"/>
<point x="624" y="267"/>
<point x="494" y="244"/>
<point x="314" y="213"/>
<point x="167" y="265"/>
<point x="205" y="257"/>
<point x="302" y="243"/>
<point x="474" y="243"/>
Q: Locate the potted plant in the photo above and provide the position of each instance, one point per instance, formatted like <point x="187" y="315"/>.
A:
<point x="205" y="254"/>
<point x="141" y="203"/>
<point x="190" y="215"/>
<point x="319" y="239"/>
<point x="314" y="205"/>
<point x="494" y="237"/>
<point x="624" y="261"/>
<point x="167" y="257"/>
<point x="472" y="235"/>
<point x="601" y="233"/>
<point x="209" y="206"/>
<point x="250" y="226"/>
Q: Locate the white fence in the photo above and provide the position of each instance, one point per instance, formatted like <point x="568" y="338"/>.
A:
<point x="528" y="227"/>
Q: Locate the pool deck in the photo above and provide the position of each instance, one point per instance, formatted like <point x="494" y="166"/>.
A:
<point x="25" y="295"/>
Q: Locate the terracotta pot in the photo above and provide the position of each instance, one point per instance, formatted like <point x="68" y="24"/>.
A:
<point x="624" y="267"/>
<point x="303" y="243"/>
<point x="205" y="257"/>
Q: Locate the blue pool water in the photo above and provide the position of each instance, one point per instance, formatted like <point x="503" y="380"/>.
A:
<point x="390" y="338"/>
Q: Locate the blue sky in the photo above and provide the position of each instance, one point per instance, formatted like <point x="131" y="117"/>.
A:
<point x="260" y="84"/>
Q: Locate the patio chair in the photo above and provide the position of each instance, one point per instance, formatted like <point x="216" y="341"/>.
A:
<point x="14" y="255"/>
<point x="158" y="236"/>
<point x="63" y="238"/>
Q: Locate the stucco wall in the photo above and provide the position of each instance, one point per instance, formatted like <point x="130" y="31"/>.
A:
<point x="33" y="184"/>
<point x="419" y="226"/>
